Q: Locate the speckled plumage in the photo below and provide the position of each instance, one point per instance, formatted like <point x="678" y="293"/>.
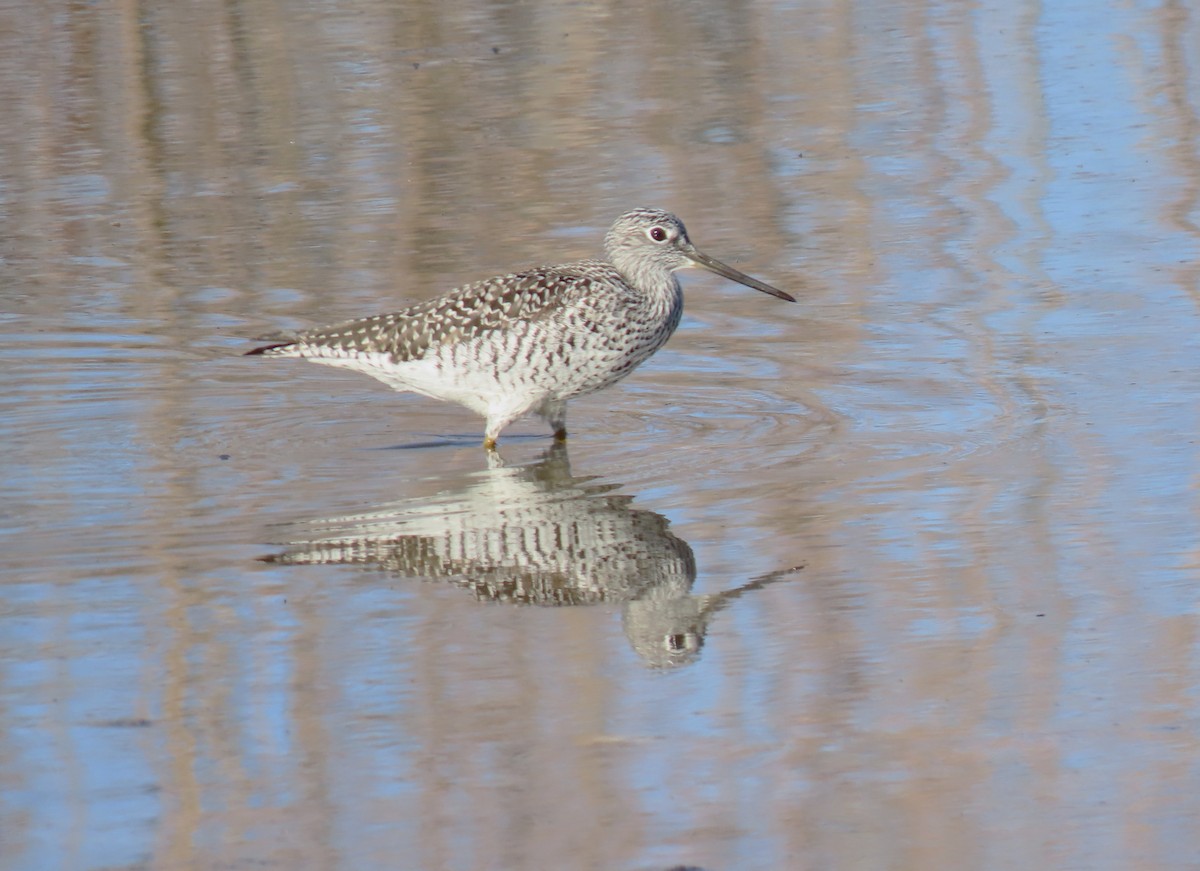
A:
<point x="529" y="341"/>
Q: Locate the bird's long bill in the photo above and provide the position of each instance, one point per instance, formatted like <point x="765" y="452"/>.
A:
<point x="713" y="265"/>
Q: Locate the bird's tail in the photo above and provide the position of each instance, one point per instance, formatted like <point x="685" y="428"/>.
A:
<point x="278" y="347"/>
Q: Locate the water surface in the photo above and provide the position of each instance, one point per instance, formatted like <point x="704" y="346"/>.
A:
<point x="904" y="575"/>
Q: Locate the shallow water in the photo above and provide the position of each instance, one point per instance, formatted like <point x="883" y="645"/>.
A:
<point x="904" y="575"/>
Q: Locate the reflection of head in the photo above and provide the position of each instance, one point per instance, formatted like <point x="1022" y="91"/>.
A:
<point x="669" y="630"/>
<point x="666" y="632"/>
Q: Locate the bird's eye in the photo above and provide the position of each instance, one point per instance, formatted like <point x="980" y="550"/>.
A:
<point x="658" y="234"/>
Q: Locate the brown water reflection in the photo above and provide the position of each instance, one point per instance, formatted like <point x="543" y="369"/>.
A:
<point x="976" y="432"/>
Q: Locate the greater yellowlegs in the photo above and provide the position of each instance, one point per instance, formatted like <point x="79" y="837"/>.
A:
<point x="529" y="341"/>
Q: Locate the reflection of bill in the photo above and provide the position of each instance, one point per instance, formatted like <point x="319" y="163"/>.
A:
<point x="535" y="535"/>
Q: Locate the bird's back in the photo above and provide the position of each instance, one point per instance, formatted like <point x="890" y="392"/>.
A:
<point x="492" y="307"/>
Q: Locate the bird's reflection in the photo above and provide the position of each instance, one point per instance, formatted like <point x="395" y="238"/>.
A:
<point x="536" y="535"/>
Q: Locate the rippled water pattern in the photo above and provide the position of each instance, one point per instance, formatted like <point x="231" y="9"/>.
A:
<point x="903" y="576"/>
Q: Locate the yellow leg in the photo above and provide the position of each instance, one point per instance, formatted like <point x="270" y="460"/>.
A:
<point x="560" y="435"/>
<point x="489" y="444"/>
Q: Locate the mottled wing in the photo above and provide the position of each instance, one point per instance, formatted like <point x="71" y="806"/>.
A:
<point x="464" y="314"/>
